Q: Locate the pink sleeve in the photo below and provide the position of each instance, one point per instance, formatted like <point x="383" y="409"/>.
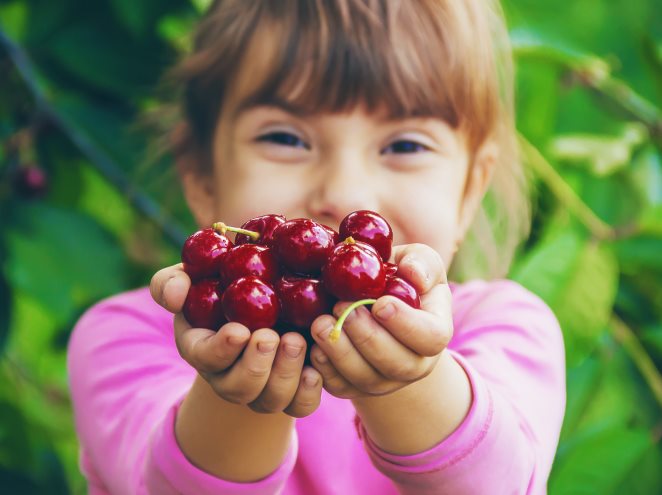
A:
<point x="511" y="347"/>
<point x="127" y="381"/>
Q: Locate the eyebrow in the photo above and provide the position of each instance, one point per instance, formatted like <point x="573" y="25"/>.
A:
<point x="273" y="101"/>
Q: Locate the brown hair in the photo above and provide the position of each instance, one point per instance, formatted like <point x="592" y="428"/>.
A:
<point x="441" y="58"/>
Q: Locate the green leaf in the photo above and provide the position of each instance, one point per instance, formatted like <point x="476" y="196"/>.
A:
<point x="646" y="177"/>
<point x="15" y="442"/>
<point x="14" y="19"/>
<point x="602" y="155"/>
<point x="600" y="462"/>
<point x="643" y="252"/>
<point x="62" y="258"/>
<point x="581" y="382"/>
<point x="578" y="280"/>
<point x="652" y="340"/>
<point x="5" y="310"/>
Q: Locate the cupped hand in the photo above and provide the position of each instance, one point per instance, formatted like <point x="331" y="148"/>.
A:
<point x="392" y="345"/>
<point x="261" y="370"/>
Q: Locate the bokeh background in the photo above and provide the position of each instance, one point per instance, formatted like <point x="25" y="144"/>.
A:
<point x="86" y="210"/>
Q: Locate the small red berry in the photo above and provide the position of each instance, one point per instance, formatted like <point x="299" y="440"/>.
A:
<point x="371" y="228"/>
<point x="354" y="271"/>
<point x="263" y="225"/>
<point x="397" y="287"/>
<point x="202" y="307"/>
<point x="302" y="300"/>
<point x="251" y="302"/>
<point x="246" y="260"/>
<point x="203" y="252"/>
<point x="302" y="246"/>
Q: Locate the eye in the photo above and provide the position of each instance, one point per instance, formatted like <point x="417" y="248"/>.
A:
<point x="405" y="146"/>
<point x="284" y="139"/>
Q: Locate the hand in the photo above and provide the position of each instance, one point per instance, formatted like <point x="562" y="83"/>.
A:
<point x="386" y="348"/>
<point x="261" y="370"/>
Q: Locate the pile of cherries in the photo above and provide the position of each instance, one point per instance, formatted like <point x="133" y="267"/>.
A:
<point x="283" y="274"/>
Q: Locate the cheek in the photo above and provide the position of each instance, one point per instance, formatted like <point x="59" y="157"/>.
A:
<point x="426" y="215"/>
<point x="245" y="190"/>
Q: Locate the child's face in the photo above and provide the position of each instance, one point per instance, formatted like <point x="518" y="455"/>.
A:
<point x="270" y="159"/>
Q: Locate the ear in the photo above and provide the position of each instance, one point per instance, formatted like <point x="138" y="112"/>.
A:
<point x="198" y="190"/>
<point x="477" y="182"/>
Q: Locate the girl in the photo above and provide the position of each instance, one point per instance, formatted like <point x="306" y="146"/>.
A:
<point x="315" y="109"/>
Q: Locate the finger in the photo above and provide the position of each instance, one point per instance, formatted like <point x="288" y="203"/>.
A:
<point x="422" y="331"/>
<point x="246" y="379"/>
<point x="285" y="375"/>
<point x="308" y="394"/>
<point x="208" y="351"/>
<point x="420" y="265"/>
<point x="169" y="287"/>
<point x="391" y="358"/>
<point x="345" y="358"/>
<point x="332" y="381"/>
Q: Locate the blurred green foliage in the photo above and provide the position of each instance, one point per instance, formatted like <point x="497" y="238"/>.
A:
<point x="74" y="77"/>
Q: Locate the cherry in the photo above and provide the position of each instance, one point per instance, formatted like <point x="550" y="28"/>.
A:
<point x="334" y="235"/>
<point x="371" y="228"/>
<point x="302" y="245"/>
<point x="249" y="259"/>
<point x="203" y="252"/>
<point x="264" y="225"/>
<point x="31" y="181"/>
<point x="202" y="307"/>
<point x="251" y="302"/>
<point x="391" y="269"/>
<point x="395" y="286"/>
<point x="354" y="271"/>
<point x="302" y="300"/>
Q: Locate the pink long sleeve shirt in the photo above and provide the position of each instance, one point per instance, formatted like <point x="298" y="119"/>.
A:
<point x="128" y="381"/>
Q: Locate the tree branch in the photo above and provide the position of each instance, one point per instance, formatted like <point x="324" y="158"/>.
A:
<point x="98" y="159"/>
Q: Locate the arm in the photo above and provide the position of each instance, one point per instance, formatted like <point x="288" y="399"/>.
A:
<point x="127" y="383"/>
<point x="402" y="373"/>
<point x="229" y="440"/>
<point x="510" y="346"/>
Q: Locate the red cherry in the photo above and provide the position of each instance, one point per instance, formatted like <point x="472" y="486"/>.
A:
<point x="251" y="302"/>
<point x="302" y="300"/>
<point x="202" y="307"/>
<point x="371" y="228"/>
<point x="302" y="246"/>
<point x="354" y="271"/>
<point x="202" y="253"/>
<point x="335" y="235"/>
<point x="31" y="181"/>
<point x="247" y="260"/>
<point x="391" y="269"/>
<point x="263" y="225"/>
<point x="397" y="287"/>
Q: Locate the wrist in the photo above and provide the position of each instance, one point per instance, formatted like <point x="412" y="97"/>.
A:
<point x="229" y="440"/>
<point x="441" y="400"/>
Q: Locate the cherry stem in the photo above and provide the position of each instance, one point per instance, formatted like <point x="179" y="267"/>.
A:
<point x="335" y="333"/>
<point x="222" y="228"/>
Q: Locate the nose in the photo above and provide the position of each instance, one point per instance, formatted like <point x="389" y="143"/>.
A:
<point x="343" y="183"/>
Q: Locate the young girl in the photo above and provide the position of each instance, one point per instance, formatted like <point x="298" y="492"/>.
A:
<point x="315" y="109"/>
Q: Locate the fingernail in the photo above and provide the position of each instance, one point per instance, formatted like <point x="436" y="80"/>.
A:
<point x="266" y="347"/>
<point x="324" y="334"/>
<point x="293" y="351"/>
<point x="418" y="266"/>
<point x="235" y="340"/>
<point x="322" y="358"/>
<point x="386" y="311"/>
<point x="310" y="381"/>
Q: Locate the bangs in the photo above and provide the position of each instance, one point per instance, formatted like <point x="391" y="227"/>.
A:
<point x="421" y="58"/>
<point x="334" y="56"/>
